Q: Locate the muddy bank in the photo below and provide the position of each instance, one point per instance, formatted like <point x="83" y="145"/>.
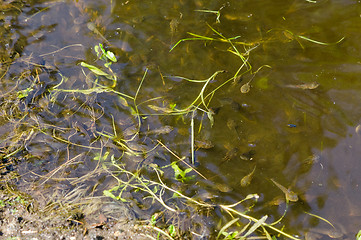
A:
<point x="22" y="218"/>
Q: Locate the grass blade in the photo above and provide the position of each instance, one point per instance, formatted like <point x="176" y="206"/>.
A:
<point x="318" y="42"/>
<point x="230" y="223"/>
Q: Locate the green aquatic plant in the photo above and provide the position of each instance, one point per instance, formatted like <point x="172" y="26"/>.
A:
<point x="203" y="99"/>
<point x="218" y="13"/>
<point x="181" y="175"/>
<point x="238" y="234"/>
<point x="106" y="56"/>
<point x="358" y="236"/>
<point x="333" y="232"/>
<point x="172" y="230"/>
<point x="200" y="103"/>
<point x="198" y="37"/>
<point x="157" y="190"/>
<point x="24" y="93"/>
<point x="156" y="187"/>
<point x="96" y="88"/>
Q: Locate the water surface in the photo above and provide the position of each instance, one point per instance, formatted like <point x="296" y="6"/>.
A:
<point x="305" y="139"/>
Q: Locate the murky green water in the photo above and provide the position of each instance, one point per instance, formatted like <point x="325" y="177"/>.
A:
<point x="305" y="139"/>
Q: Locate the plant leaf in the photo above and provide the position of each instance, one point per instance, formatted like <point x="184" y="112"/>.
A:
<point x="109" y="194"/>
<point x="177" y="171"/>
<point x="98" y="51"/>
<point x="172" y="231"/>
<point x="102" y="48"/>
<point x="110" y="55"/>
<point x="256" y="225"/>
<point x="318" y="42"/>
<point x="223" y="230"/>
<point x="123" y="101"/>
<point x="24" y="93"/>
<point x="358" y="236"/>
<point x="187" y="170"/>
<point x="95" y="70"/>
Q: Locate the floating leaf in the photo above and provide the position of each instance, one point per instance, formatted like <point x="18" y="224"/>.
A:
<point x="110" y="55"/>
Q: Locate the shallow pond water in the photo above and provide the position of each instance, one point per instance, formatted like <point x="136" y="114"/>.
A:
<point x="292" y="117"/>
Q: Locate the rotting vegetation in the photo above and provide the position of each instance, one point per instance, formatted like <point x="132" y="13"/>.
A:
<point x="138" y="180"/>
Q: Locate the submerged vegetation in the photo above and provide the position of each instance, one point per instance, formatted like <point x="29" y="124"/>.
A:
<point x="173" y="201"/>
<point x="177" y="206"/>
<point x="137" y="168"/>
